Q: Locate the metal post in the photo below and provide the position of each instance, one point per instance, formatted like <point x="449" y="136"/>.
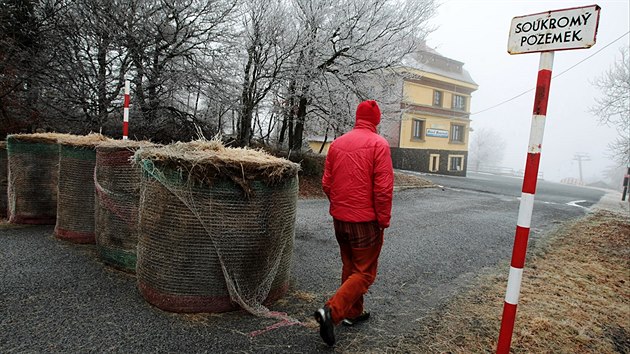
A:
<point x="527" y="202"/>
<point x="126" y="111"/>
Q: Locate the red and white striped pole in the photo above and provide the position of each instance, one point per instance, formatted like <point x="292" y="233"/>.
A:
<point x="527" y="202"/>
<point x="126" y="112"/>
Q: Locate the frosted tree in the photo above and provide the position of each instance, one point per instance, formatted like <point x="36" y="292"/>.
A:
<point x="267" y="45"/>
<point x="613" y="107"/>
<point x="344" y="45"/>
<point x="486" y="148"/>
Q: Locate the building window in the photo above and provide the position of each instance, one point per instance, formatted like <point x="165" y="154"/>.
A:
<point x="457" y="133"/>
<point x="418" y="129"/>
<point x="437" y="98"/>
<point x="434" y="162"/>
<point x="455" y="162"/>
<point x="459" y="102"/>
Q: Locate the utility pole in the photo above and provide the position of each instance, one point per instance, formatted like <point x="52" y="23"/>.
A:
<point x="581" y="157"/>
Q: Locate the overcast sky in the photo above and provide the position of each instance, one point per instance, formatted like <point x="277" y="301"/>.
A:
<point x="476" y="32"/>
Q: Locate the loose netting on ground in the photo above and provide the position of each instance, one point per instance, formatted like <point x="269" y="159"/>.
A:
<point x="33" y="161"/>
<point x="3" y="179"/>
<point x="216" y="227"/>
<point x="75" y="202"/>
<point x="117" y="183"/>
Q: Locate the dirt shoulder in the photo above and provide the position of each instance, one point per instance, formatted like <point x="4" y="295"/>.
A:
<point x="574" y="298"/>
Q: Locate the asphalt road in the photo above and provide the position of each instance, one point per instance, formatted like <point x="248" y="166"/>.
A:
<point x="58" y="297"/>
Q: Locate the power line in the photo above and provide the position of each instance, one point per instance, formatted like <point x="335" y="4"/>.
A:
<point x="555" y="76"/>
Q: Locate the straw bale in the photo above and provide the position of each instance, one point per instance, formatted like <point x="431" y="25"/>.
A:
<point x="75" y="203"/>
<point x="203" y="244"/>
<point x="33" y="161"/>
<point x="90" y="140"/>
<point x="117" y="183"/>
<point x="210" y="249"/>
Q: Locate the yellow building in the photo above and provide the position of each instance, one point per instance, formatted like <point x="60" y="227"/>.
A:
<point x="315" y="144"/>
<point x="429" y="130"/>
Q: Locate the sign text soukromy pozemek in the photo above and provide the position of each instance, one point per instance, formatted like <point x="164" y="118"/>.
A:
<point x="554" y="30"/>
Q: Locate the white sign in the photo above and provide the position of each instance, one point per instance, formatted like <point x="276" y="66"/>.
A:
<point x="438" y="133"/>
<point x="573" y="28"/>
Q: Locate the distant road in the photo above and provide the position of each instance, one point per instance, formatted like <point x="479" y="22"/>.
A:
<point x="550" y="192"/>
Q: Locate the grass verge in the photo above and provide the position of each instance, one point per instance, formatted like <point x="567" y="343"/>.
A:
<point x="574" y="298"/>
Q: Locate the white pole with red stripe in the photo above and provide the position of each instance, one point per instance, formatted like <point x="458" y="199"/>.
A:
<point x="527" y="202"/>
<point x="126" y="111"/>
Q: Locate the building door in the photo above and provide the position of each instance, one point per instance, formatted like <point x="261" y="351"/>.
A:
<point x="434" y="162"/>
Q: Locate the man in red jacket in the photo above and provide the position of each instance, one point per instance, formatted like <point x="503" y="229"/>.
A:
<point x="359" y="181"/>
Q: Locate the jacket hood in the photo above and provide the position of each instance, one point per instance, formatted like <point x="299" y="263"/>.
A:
<point x="368" y="115"/>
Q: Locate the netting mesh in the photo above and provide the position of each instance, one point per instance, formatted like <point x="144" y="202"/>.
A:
<point x="75" y="202"/>
<point x="216" y="245"/>
<point x="117" y="183"/>
<point x="33" y="162"/>
<point x="3" y="179"/>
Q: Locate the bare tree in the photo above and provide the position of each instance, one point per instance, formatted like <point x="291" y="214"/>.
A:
<point x="89" y="68"/>
<point x="613" y="107"/>
<point x="343" y="43"/>
<point x="267" y="45"/>
<point x="486" y="148"/>
<point x="176" y="47"/>
<point x="25" y="31"/>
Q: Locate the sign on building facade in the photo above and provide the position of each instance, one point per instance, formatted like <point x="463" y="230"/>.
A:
<point x="437" y="133"/>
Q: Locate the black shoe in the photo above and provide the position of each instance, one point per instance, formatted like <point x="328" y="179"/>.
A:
<point x="326" y="326"/>
<point x="364" y="316"/>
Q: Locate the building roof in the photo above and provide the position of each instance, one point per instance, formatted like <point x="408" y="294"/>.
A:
<point x="428" y="60"/>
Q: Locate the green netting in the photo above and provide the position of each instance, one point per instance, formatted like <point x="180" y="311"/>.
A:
<point x="75" y="207"/>
<point x="4" y="181"/>
<point x="32" y="180"/>
<point x="117" y="183"/>
<point x="124" y="260"/>
<point x="202" y="243"/>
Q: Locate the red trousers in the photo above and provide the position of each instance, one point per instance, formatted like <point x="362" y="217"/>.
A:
<point x="360" y="245"/>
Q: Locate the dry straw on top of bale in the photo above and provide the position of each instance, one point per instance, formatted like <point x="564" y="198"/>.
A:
<point x="128" y="144"/>
<point x="50" y="138"/>
<point x="89" y="141"/>
<point x="204" y="161"/>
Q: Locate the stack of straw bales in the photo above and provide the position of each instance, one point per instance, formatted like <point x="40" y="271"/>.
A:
<point x="75" y="206"/>
<point x="216" y="227"/>
<point x="33" y="161"/>
<point x="206" y="228"/>
<point x="117" y="183"/>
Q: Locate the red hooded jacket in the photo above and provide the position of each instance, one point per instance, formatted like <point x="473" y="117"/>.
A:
<point x="358" y="175"/>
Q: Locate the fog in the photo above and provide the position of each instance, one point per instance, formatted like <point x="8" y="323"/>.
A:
<point x="476" y="33"/>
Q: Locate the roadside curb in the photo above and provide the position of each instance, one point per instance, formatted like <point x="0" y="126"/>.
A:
<point x="611" y="201"/>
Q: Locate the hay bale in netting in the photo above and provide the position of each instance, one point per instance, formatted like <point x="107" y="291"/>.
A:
<point x="75" y="203"/>
<point x="3" y="179"/>
<point x="33" y="163"/>
<point x="216" y="227"/>
<point x="117" y="183"/>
